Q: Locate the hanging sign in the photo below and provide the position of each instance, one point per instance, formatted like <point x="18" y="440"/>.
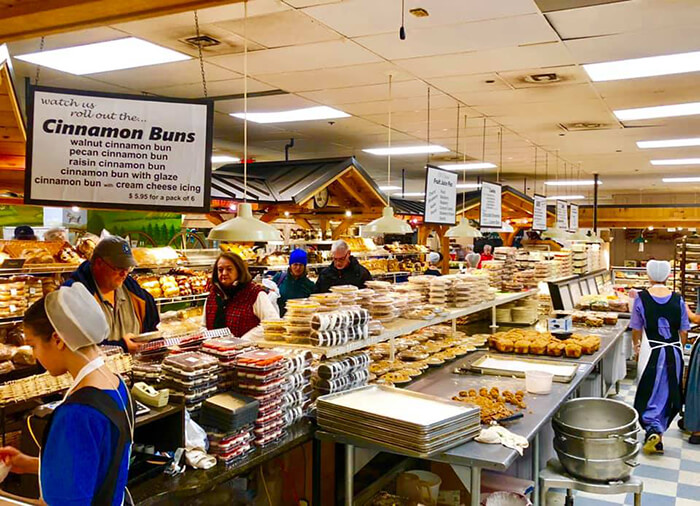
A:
<point x="539" y="213"/>
<point x="573" y="217"/>
<point x="562" y="215"/>
<point x="440" y="196"/>
<point x="106" y="150"/>
<point x="491" y="216"/>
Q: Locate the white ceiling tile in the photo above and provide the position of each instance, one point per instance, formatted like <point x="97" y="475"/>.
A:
<point x="62" y="40"/>
<point x="555" y="96"/>
<point x="214" y="88"/>
<point x="282" y="29"/>
<point x="352" y="18"/>
<point x="495" y="60"/>
<point x="320" y="55"/>
<point x="375" y="92"/>
<point x="266" y="104"/>
<point x="477" y="36"/>
<point x="659" y="90"/>
<point x="298" y="4"/>
<point x="470" y="83"/>
<point x="437" y="101"/>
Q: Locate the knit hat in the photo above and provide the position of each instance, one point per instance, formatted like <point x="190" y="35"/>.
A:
<point x="298" y="256"/>
<point x="658" y="270"/>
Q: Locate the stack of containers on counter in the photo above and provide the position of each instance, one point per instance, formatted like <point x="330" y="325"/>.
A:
<point x="296" y="398"/>
<point x="260" y="375"/>
<point x="525" y="260"/>
<point x="580" y="258"/>
<point x="364" y="297"/>
<point x="506" y="254"/>
<point x="565" y="263"/>
<point x="34" y="289"/>
<point x="13" y="298"/>
<point x="525" y="279"/>
<point x="229" y="420"/>
<point x="227" y="350"/>
<point x="192" y="376"/>
<point x="337" y="328"/>
<point x="298" y="320"/>
<point x="348" y="294"/>
<point x="439" y="287"/>
<point x="341" y="373"/>
<point x="383" y="309"/>
<point x="328" y="301"/>
<point x="544" y="270"/>
<point x="379" y="287"/>
<point x="420" y="285"/>
<point x="274" y="329"/>
<point x="495" y="270"/>
<point x="150" y="372"/>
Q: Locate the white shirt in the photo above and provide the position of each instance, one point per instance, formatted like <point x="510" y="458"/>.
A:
<point x="263" y="308"/>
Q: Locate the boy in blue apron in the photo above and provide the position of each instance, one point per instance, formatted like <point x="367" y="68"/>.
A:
<point x="85" y="451"/>
<point x="660" y="325"/>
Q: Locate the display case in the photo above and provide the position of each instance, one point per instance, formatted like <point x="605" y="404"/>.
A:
<point x="567" y="292"/>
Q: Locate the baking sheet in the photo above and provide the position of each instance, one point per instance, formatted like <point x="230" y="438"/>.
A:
<point x="563" y="372"/>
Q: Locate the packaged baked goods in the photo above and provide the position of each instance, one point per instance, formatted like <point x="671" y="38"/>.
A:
<point x="24" y="355"/>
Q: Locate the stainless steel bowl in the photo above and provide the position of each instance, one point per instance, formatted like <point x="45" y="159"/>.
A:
<point x="602" y="470"/>
<point x="612" y="447"/>
<point x="595" y="418"/>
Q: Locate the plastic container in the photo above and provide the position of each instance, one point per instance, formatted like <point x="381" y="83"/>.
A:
<point x="230" y="412"/>
<point x="506" y="499"/>
<point x="538" y="382"/>
<point x="422" y="486"/>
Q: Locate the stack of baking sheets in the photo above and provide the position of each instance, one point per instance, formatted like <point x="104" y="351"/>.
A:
<point x="409" y="423"/>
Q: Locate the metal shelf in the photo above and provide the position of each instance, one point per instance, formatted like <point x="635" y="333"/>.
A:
<point x="183" y="298"/>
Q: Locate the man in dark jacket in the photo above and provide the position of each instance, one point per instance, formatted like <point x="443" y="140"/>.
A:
<point x="345" y="270"/>
<point x="129" y="309"/>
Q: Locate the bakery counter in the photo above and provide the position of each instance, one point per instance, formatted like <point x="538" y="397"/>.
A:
<point x="175" y="490"/>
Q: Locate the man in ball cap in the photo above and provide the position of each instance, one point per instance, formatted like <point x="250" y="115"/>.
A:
<point x="129" y="309"/>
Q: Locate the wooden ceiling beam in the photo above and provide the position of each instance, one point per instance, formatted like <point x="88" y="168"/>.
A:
<point x="34" y="18"/>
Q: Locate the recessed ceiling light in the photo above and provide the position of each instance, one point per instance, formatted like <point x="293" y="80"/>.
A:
<point x="406" y="150"/>
<point x="677" y="161"/>
<point x="469" y="185"/>
<point x="669" y="143"/>
<point x="681" y="180"/>
<point x="389" y="188"/>
<point x="412" y="194"/>
<point x="566" y="197"/>
<point x="307" y="114"/>
<point x="659" y="111"/>
<point x="582" y="182"/>
<point x="224" y="159"/>
<point x="644" y="67"/>
<point x="107" y="56"/>
<point x="469" y="166"/>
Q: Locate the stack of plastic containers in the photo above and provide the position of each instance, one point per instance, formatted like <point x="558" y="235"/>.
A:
<point x="383" y="309"/>
<point x="227" y="350"/>
<point x="421" y="285"/>
<point x="328" y="301"/>
<point x="229" y="421"/>
<point x="341" y="373"/>
<point x="274" y="329"/>
<point x="298" y="320"/>
<point x="193" y="376"/>
<point x="337" y="328"/>
<point x="439" y="288"/>
<point x="296" y="398"/>
<point x="495" y="269"/>
<point x="348" y="294"/>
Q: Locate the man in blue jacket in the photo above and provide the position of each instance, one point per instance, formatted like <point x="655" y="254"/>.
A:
<point x="129" y="309"/>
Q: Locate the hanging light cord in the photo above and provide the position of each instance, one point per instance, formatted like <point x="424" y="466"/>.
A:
<point x="201" y="58"/>
<point x="546" y="173"/>
<point x="388" y="158"/>
<point x="483" y="147"/>
<point x="464" y="160"/>
<point x="245" y="101"/>
<point x="428" y="145"/>
<point x="500" y="156"/>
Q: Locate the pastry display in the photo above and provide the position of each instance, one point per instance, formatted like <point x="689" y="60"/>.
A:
<point x="528" y="341"/>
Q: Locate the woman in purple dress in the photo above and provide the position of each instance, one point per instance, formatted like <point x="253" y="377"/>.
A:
<point x="660" y="327"/>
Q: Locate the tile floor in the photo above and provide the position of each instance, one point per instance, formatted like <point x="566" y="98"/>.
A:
<point x="672" y="479"/>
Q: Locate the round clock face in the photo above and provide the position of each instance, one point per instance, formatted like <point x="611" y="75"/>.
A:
<point x="321" y="198"/>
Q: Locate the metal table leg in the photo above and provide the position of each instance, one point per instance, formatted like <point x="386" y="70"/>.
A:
<point x="349" y="474"/>
<point x="602" y="378"/>
<point x="536" y="470"/>
<point x="493" y="317"/>
<point x="638" y="499"/>
<point x="476" y="486"/>
<point x="315" y="472"/>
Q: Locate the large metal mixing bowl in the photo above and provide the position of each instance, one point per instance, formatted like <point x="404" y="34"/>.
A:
<point x="601" y="470"/>
<point x="590" y="417"/>
<point x="612" y="447"/>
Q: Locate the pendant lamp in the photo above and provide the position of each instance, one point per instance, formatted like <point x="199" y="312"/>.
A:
<point x="555" y="233"/>
<point x="388" y="223"/>
<point x="245" y="227"/>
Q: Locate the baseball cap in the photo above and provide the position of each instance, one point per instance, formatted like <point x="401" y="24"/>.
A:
<point x="25" y="232"/>
<point x="115" y="251"/>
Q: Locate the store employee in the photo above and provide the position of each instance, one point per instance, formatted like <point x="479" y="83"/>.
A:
<point x="345" y="270"/>
<point x="129" y="309"/>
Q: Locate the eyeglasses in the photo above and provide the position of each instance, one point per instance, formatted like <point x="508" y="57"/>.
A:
<point x="126" y="271"/>
<point x="340" y="259"/>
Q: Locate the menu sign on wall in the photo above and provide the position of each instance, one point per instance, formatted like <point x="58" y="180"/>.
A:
<point x="105" y="150"/>
<point x="539" y="213"/>
<point x="573" y="217"/>
<point x="562" y="215"/>
<point x="490" y="205"/>
<point x="440" y="196"/>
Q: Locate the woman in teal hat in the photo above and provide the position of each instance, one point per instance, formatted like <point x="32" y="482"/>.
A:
<point x="293" y="283"/>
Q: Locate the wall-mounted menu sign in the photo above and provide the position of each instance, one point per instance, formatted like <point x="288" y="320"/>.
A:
<point x="539" y="213"/>
<point x="490" y="205"/>
<point x="562" y="215"/>
<point x="440" y="196"/>
<point x="573" y="217"/>
<point x="105" y="150"/>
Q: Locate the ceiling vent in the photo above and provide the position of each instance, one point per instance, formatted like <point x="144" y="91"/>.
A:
<point x="419" y="12"/>
<point x="546" y="78"/>
<point x="584" y="126"/>
<point x="203" y="41"/>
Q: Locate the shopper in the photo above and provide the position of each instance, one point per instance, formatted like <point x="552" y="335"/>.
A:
<point x="660" y="326"/>
<point x="486" y="255"/>
<point x="24" y="233"/>
<point x="691" y="417"/>
<point x="235" y="300"/>
<point x="345" y="270"/>
<point x="294" y="282"/>
<point x="85" y="447"/>
<point x="433" y="267"/>
<point x="130" y="310"/>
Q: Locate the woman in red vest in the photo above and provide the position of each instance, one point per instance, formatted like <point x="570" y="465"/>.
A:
<point x="235" y="300"/>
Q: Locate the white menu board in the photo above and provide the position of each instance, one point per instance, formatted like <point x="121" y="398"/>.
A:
<point x="573" y="217"/>
<point x="106" y="150"/>
<point x="440" y="196"/>
<point x="491" y="216"/>
<point x="539" y="213"/>
<point x="562" y="215"/>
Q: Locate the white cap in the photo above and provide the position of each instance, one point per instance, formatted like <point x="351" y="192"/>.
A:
<point x="433" y="257"/>
<point x="76" y="316"/>
<point x="658" y="270"/>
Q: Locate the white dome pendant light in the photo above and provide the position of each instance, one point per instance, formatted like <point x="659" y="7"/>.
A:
<point x="245" y="227"/>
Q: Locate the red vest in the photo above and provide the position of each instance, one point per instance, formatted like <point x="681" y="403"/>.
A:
<point x="240" y="317"/>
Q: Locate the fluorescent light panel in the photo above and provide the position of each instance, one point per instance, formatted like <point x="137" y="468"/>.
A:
<point x="389" y="188"/>
<point x="660" y="111"/>
<point x="407" y="150"/>
<point x="566" y="197"/>
<point x="681" y="180"/>
<point x="644" y="67"/>
<point x="410" y="194"/>
<point x="107" y="56"/>
<point x="469" y="166"/>
<point x="582" y="182"/>
<point x="677" y="161"/>
<point x="307" y="114"/>
<point x="468" y="185"/>
<point x="224" y="159"/>
<point x="669" y="143"/>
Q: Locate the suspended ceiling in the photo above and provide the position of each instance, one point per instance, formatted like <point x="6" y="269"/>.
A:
<point x="473" y="52"/>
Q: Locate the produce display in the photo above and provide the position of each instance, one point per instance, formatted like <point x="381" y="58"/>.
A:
<point x="527" y="341"/>
<point x="493" y="402"/>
